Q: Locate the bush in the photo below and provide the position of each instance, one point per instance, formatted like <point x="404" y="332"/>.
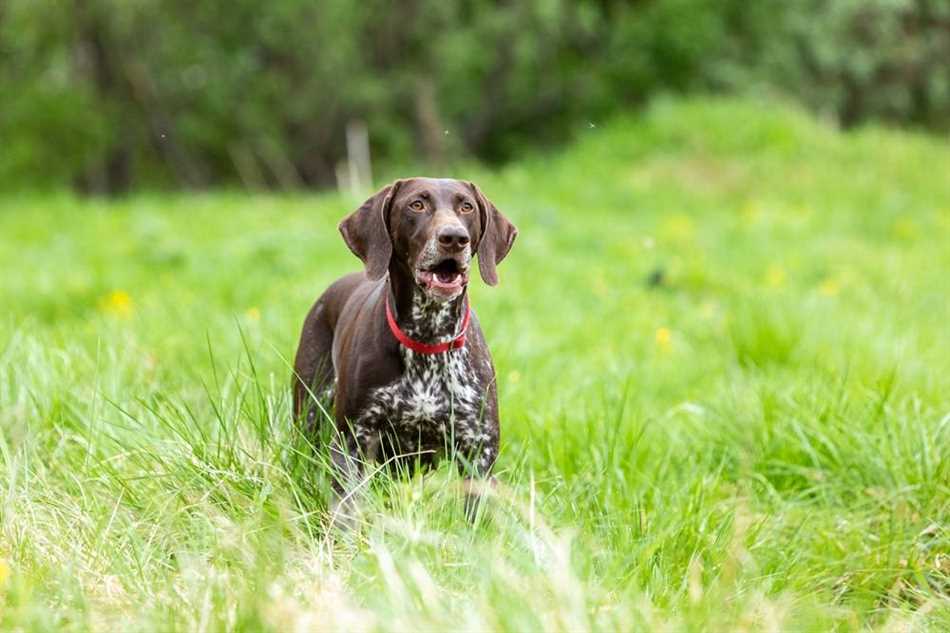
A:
<point x="109" y="94"/>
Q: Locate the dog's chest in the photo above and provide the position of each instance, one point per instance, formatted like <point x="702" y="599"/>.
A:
<point x="434" y="392"/>
<point x="436" y="398"/>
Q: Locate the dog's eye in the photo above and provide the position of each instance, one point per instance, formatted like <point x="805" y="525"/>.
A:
<point x="417" y="205"/>
<point x="467" y="207"/>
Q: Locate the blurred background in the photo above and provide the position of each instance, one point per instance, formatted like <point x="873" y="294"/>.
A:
<point x="107" y="96"/>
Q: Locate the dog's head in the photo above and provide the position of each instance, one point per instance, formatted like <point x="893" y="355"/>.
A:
<point x="430" y="229"/>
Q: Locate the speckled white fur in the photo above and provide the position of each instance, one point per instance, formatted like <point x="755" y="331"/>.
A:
<point x="437" y="403"/>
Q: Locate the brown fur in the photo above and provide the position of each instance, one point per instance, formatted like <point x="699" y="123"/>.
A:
<point x="388" y="402"/>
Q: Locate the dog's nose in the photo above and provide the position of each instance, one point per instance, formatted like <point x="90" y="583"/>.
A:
<point x="453" y="237"/>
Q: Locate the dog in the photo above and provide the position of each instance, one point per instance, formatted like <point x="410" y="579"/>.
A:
<point x="397" y="349"/>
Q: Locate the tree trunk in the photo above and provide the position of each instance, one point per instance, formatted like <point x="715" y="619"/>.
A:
<point x="93" y="61"/>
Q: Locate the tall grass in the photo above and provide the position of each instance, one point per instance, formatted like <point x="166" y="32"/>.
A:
<point x="722" y="358"/>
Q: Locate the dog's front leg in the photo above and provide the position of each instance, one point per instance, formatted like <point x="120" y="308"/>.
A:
<point x="347" y="474"/>
<point x="475" y="463"/>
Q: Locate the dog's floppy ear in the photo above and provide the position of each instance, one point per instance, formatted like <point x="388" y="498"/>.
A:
<point x="498" y="234"/>
<point x="366" y="232"/>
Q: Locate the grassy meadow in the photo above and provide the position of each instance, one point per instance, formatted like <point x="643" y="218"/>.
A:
<point x="723" y="356"/>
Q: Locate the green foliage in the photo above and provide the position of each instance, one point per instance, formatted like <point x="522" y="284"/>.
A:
<point x="758" y="440"/>
<point x="110" y="94"/>
<point x="861" y="59"/>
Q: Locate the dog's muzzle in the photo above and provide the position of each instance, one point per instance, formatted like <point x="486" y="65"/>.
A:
<point x="442" y="275"/>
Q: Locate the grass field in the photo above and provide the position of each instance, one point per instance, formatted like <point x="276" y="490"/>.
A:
<point x="758" y="441"/>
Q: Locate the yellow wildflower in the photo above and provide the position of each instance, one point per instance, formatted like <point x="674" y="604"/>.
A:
<point x="679" y="227"/>
<point x="253" y="314"/>
<point x="4" y="572"/>
<point x="663" y="338"/>
<point x="906" y="229"/>
<point x="750" y="212"/>
<point x="117" y="303"/>
<point x="775" y="276"/>
<point x="830" y="287"/>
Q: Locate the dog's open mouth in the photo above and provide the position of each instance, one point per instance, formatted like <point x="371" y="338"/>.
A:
<point x="445" y="278"/>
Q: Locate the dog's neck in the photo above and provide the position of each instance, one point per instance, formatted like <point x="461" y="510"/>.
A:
<point x="422" y="317"/>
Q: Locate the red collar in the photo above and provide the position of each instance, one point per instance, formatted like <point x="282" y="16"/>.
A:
<point x="428" y="348"/>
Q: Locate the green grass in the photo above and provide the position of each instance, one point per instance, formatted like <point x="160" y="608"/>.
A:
<point x="761" y="442"/>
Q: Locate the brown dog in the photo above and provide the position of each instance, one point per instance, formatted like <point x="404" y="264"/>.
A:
<point x="397" y="349"/>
